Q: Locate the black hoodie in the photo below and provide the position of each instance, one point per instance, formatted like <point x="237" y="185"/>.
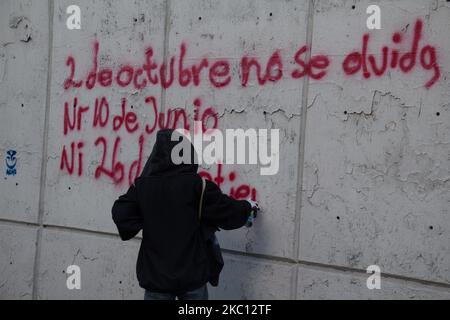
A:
<point x="164" y="202"/>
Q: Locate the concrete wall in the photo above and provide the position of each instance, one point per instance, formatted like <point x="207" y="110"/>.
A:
<point x="364" y="172"/>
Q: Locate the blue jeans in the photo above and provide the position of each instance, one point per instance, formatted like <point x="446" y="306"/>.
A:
<point x="197" y="294"/>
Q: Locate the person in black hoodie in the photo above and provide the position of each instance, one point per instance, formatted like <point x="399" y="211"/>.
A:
<point x="178" y="254"/>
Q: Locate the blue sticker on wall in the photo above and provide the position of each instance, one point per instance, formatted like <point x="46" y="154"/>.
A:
<point x="11" y="162"/>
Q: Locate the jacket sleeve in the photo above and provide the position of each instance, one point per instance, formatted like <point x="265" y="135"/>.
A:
<point x="126" y="214"/>
<point x="223" y="211"/>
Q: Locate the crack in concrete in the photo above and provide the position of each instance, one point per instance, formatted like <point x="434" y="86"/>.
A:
<point x="3" y="284"/>
<point x="16" y="21"/>
<point x="83" y="256"/>
<point x="314" y="100"/>
<point x="376" y="99"/>
<point x="289" y="117"/>
<point x="265" y="112"/>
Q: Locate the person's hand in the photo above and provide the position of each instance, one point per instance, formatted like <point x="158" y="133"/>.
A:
<point x="255" y="206"/>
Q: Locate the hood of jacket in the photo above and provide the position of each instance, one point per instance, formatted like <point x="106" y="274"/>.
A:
<point x="160" y="160"/>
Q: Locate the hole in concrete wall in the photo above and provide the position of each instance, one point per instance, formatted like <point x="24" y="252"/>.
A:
<point x="339" y="218"/>
<point x="131" y="106"/>
<point x="21" y="105"/>
<point x="64" y="271"/>
<point x="120" y="282"/>
<point x="10" y="262"/>
<point x="270" y="14"/>
<point x="345" y="112"/>
<point x="69" y="188"/>
<point x="199" y="18"/>
<point x="431" y="227"/>
<point x="135" y="19"/>
<point x="438" y="114"/>
<point x="17" y="183"/>
<point x="353" y="7"/>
